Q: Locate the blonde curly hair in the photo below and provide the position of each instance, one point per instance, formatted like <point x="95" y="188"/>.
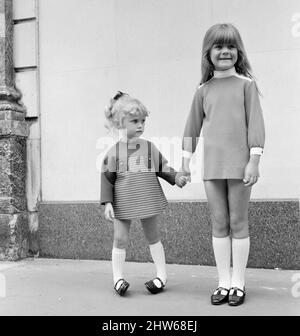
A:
<point x="121" y="105"/>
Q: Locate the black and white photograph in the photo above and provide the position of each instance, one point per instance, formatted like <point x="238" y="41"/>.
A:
<point x="149" y="161"/>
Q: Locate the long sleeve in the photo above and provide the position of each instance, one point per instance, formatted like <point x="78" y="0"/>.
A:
<point x="108" y="177"/>
<point x="255" y="121"/>
<point x="193" y="124"/>
<point x="162" y="168"/>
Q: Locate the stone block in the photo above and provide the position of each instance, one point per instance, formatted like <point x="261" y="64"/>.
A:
<point x="79" y="231"/>
<point x="33" y="174"/>
<point x="11" y="115"/>
<point x="13" y="236"/>
<point x="12" y="175"/>
<point x="13" y="127"/>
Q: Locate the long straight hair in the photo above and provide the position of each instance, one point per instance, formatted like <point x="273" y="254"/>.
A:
<point x="223" y="33"/>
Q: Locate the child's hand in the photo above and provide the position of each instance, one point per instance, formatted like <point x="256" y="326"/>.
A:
<point x="185" y="168"/>
<point x="181" y="180"/>
<point x="109" y="212"/>
<point x="251" y="174"/>
<point x="185" y="171"/>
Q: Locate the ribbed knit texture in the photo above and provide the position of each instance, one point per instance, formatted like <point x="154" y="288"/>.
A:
<point x="158" y="256"/>
<point x="138" y="193"/>
<point x="222" y="252"/>
<point x="240" y="253"/>
<point x="118" y="260"/>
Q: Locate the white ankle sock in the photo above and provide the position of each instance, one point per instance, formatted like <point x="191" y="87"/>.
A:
<point x="240" y="253"/>
<point x="118" y="260"/>
<point x="222" y="252"/>
<point x="158" y="256"/>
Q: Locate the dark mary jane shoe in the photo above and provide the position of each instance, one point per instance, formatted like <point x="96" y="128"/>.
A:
<point x="218" y="298"/>
<point x="121" y="290"/>
<point x="152" y="288"/>
<point x="234" y="298"/>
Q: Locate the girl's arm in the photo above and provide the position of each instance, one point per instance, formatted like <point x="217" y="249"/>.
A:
<point x="162" y="168"/>
<point x="108" y="177"/>
<point x="170" y="174"/>
<point x="192" y="130"/>
<point x="256" y="133"/>
<point x="107" y="187"/>
<point x="255" y="121"/>
<point x="109" y="212"/>
<point x="251" y="174"/>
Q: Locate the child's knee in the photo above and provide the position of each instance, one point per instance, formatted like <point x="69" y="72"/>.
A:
<point x="220" y="219"/>
<point x="220" y="227"/>
<point x="152" y="238"/>
<point x="121" y="242"/>
<point x="151" y="230"/>
<point x="221" y="232"/>
<point x="239" y="227"/>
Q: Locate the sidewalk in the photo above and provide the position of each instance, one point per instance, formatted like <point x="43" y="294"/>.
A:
<point x="84" y="287"/>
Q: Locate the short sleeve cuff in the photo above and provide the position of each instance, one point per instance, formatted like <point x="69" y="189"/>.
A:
<point x="256" y="150"/>
<point x="187" y="155"/>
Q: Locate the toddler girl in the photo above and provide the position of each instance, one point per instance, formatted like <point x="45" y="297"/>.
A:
<point x="131" y="190"/>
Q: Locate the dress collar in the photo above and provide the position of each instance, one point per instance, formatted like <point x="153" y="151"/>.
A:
<point x="225" y="73"/>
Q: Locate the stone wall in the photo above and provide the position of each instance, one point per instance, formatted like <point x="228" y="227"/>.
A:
<point x="79" y="231"/>
<point x="13" y="134"/>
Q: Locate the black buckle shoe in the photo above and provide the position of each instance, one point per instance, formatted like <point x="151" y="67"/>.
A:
<point x="218" y="298"/>
<point x="152" y="288"/>
<point x="122" y="288"/>
<point x="234" y="299"/>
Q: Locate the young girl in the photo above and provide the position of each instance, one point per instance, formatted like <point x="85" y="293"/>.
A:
<point x="130" y="188"/>
<point x="226" y="107"/>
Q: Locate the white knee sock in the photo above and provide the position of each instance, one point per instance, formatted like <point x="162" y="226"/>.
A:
<point x="222" y="252"/>
<point x="158" y="256"/>
<point x="118" y="260"/>
<point x="240" y="253"/>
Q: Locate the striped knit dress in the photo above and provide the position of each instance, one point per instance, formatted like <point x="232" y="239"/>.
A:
<point x="136" y="191"/>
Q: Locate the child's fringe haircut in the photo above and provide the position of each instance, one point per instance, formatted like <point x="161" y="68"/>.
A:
<point x="224" y="33"/>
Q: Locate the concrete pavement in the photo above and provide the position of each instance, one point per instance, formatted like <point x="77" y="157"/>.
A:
<point x="46" y="287"/>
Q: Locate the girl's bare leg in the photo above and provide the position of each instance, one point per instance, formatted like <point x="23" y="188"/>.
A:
<point x="121" y="238"/>
<point x="216" y="191"/>
<point x="238" y="202"/>
<point x="238" y="199"/>
<point x="152" y="234"/>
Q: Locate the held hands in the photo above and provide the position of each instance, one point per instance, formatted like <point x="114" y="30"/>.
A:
<point x="251" y="174"/>
<point x="182" y="177"/>
<point x="109" y="212"/>
<point x="180" y="180"/>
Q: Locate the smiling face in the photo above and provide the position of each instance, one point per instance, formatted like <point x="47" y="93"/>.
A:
<point x="134" y="125"/>
<point x="223" y="56"/>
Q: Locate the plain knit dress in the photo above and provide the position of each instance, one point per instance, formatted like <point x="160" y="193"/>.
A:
<point x="129" y="180"/>
<point x="228" y="111"/>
